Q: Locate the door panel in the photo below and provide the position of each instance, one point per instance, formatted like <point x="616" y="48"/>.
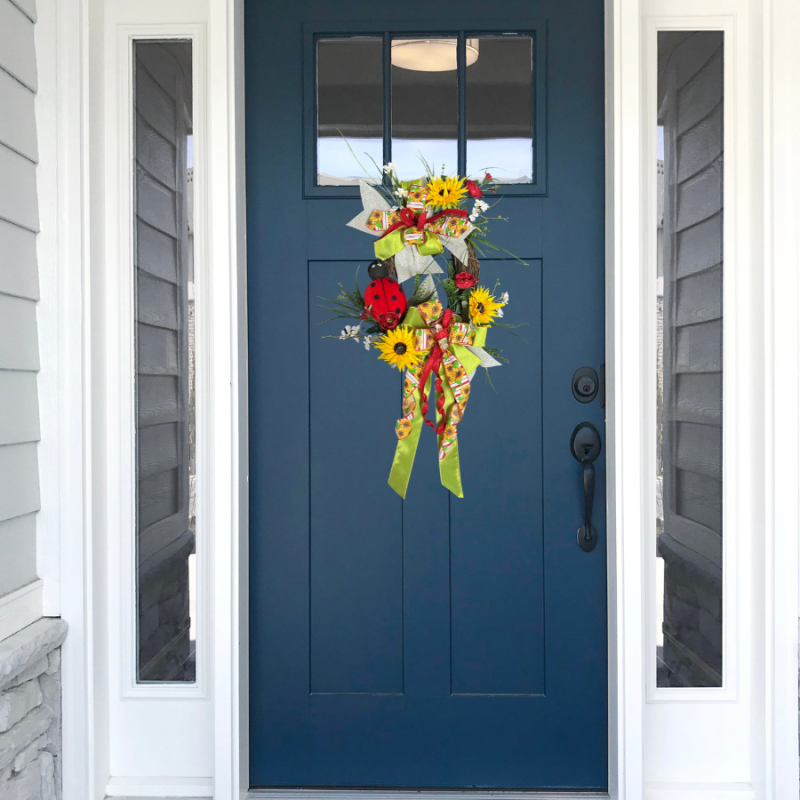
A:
<point x="431" y="642"/>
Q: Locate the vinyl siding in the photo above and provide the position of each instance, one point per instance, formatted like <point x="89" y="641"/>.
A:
<point x="19" y="292"/>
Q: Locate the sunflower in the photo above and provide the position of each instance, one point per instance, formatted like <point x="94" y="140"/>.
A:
<point x="454" y="373"/>
<point x="482" y="306"/>
<point x="449" y="431"/>
<point x="403" y="428"/>
<point x="445" y="192"/>
<point x="397" y="347"/>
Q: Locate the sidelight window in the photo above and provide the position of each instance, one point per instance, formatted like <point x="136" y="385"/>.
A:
<point x="164" y="361"/>
<point x="465" y="102"/>
<point x="689" y="269"/>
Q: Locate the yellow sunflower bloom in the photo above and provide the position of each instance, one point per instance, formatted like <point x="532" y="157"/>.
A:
<point x="449" y="431"/>
<point x="482" y="306"/>
<point x="403" y="428"/>
<point x="397" y="347"/>
<point x="445" y="192"/>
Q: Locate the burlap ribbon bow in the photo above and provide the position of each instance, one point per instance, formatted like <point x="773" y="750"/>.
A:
<point x="408" y="234"/>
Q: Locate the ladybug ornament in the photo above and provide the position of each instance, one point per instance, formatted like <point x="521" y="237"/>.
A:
<point x="385" y="302"/>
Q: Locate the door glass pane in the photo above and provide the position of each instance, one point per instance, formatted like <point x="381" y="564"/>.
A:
<point x="349" y="106"/>
<point x="164" y="361"/>
<point x="500" y="109"/>
<point x="689" y="521"/>
<point x="424" y="106"/>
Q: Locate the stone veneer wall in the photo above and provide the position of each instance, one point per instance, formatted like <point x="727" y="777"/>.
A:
<point x="30" y="712"/>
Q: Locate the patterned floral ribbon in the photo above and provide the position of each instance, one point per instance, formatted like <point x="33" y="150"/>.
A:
<point x="447" y="363"/>
<point x="412" y="226"/>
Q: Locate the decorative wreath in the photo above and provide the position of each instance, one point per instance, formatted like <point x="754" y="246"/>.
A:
<point x="416" y="222"/>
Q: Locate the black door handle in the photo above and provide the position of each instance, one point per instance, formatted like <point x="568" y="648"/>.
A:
<point x="585" y="446"/>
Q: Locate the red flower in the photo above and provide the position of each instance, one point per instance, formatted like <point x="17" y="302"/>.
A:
<point x="389" y="321"/>
<point x="488" y="178"/>
<point x="473" y="189"/>
<point x="464" y="280"/>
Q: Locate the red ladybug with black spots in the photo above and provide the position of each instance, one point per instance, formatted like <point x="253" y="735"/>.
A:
<point x="385" y="302"/>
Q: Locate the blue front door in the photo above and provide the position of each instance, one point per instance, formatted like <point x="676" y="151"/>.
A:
<point x="434" y="642"/>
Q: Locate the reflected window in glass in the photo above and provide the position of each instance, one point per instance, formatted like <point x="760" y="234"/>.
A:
<point x="164" y="361"/>
<point x="349" y="109"/>
<point x="500" y="109"/>
<point x="424" y="106"/>
<point x="689" y="313"/>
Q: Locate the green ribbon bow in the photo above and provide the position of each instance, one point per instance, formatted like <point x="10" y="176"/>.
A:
<point x="449" y="465"/>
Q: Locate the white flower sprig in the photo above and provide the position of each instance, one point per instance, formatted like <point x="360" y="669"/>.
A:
<point x="390" y="167"/>
<point x="350" y="332"/>
<point x="479" y="207"/>
<point x="504" y="301"/>
<point x="354" y="332"/>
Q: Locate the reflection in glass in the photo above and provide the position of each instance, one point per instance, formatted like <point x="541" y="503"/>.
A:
<point x="164" y="361"/>
<point x="689" y="359"/>
<point x="424" y="120"/>
<point x="349" y="104"/>
<point x="432" y="55"/>
<point x="500" y="109"/>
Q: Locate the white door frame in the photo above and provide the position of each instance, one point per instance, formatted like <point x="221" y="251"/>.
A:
<point x="761" y="37"/>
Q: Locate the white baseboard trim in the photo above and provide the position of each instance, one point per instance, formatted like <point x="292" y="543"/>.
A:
<point x="406" y="794"/>
<point x="699" y="791"/>
<point x="130" y="787"/>
<point x="20" y="608"/>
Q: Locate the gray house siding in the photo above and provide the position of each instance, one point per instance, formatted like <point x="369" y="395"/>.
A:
<point x="19" y="292"/>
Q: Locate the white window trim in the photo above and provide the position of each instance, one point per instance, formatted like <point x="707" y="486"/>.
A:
<point x="781" y="429"/>
<point x="162" y="730"/>
<point x="773" y="614"/>
<point x="735" y="232"/>
<point x="120" y="365"/>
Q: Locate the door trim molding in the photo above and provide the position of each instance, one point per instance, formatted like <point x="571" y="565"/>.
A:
<point x="77" y="48"/>
<point x="623" y="399"/>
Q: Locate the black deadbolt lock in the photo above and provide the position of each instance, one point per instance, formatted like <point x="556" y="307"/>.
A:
<point x="585" y="385"/>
